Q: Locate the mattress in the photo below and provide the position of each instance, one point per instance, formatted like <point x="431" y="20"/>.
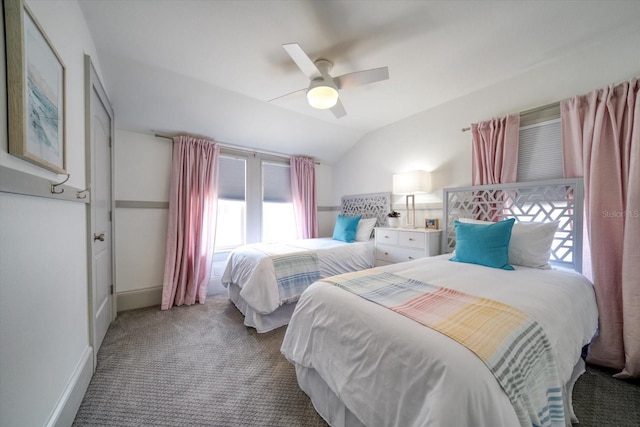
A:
<point x="389" y="370"/>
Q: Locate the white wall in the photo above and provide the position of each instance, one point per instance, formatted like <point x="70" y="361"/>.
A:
<point x="433" y="141"/>
<point x="324" y="200"/>
<point x="143" y="167"/>
<point x="43" y="305"/>
<point x="44" y="337"/>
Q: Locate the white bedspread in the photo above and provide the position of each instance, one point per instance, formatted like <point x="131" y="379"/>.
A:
<point x="392" y="371"/>
<point x="250" y="268"/>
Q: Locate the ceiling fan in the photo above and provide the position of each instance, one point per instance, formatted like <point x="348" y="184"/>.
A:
<point x="322" y="92"/>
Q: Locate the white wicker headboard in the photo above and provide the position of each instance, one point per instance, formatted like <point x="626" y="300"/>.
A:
<point x="543" y="201"/>
<point x="375" y="205"/>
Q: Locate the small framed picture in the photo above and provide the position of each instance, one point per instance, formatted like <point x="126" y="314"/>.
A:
<point x="432" y="224"/>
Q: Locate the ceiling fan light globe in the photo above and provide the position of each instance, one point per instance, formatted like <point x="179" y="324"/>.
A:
<point x="322" y="97"/>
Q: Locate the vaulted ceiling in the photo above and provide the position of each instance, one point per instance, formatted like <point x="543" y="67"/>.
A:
<point x="210" y="67"/>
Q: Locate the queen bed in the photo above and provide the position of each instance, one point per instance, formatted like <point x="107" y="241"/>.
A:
<point x="435" y="342"/>
<point x="265" y="280"/>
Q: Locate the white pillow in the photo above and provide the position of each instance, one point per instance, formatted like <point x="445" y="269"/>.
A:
<point x="530" y="244"/>
<point x="365" y="227"/>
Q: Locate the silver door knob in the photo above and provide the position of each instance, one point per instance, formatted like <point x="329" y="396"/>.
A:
<point x="97" y="236"/>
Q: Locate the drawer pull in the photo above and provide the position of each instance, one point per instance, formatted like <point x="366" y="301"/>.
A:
<point x="410" y="257"/>
<point x="411" y="239"/>
<point x="386" y="237"/>
<point x="386" y="253"/>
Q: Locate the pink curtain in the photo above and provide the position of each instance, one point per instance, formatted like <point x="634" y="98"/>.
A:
<point x="193" y="201"/>
<point x="601" y="142"/>
<point x="303" y="189"/>
<point x="495" y="150"/>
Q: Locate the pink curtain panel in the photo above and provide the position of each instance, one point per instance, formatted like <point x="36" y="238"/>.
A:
<point x="601" y="142"/>
<point x="193" y="202"/>
<point x="494" y="150"/>
<point x="303" y="189"/>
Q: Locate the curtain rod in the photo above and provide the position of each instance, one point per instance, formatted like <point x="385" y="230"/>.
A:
<point x="525" y="112"/>
<point x="236" y="148"/>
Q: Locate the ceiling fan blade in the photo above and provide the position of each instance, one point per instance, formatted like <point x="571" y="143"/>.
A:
<point x="302" y="60"/>
<point x="359" y="78"/>
<point x="338" y="110"/>
<point x="294" y="93"/>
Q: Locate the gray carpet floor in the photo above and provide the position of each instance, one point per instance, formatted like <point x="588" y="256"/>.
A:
<point x="199" y="366"/>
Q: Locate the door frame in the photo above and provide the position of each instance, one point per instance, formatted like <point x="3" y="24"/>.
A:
<point x="93" y="84"/>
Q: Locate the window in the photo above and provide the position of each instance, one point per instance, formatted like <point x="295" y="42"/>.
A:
<point x="540" y="158"/>
<point x="230" y="227"/>
<point x="540" y="152"/>
<point x="254" y="201"/>
<point x="278" y="220"/>
<point x="540" y="147"/>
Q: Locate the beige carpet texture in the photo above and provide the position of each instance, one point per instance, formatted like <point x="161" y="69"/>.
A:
<point x="200" y="366"/>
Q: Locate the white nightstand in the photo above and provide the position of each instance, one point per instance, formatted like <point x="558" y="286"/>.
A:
<point x="405" y="244"/>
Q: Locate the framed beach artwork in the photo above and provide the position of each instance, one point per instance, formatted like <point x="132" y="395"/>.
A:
<point x="35" y="91"/>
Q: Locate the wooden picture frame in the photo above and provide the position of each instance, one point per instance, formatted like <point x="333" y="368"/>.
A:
<point x="35" y="91"/>
<point x="432" y="224"/>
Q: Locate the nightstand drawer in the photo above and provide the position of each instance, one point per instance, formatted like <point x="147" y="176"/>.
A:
<point x="386" y="237"/>
<point x="394" y="254"/>
<point x="400" y="245"/>
<point x="412" y="239"/>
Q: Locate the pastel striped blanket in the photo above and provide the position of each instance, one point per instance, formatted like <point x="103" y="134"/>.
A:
<point x="295" y="270"/>
<point x="512" y="344"/>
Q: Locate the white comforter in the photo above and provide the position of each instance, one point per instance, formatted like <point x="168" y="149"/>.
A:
<point x="392" y="371"/>
<point x="251" y="269"/>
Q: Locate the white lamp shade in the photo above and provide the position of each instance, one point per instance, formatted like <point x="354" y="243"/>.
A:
<point x="412" y="182"/>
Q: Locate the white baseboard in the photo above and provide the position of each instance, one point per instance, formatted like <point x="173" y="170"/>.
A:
<point x="139" y="298"/>
<point x="67" y="407"/>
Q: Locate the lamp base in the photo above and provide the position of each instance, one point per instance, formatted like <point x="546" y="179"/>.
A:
<point x="411" y="211"/>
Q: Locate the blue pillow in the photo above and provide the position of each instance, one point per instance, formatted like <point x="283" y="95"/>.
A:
<point x="486" y="245"/>
<point x="346" y="227"/>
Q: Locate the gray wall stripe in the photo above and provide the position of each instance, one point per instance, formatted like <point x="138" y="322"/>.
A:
<point x="139" y="204"/>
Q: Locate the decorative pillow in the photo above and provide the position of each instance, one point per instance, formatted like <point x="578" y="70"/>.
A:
<point x="530" y="244"/>
<point x="346" y="227"/>
<point x="475" y="221"/>
<point x="365" y="227"/>
<point x="486" y="245"/>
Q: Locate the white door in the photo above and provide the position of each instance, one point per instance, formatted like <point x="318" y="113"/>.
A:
<point x="101" y="292"/>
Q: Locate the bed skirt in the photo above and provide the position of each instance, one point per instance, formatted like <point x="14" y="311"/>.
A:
<point x="261" y="322"/>
<point x="324" y="400"/>
<point x="336" y="414"/>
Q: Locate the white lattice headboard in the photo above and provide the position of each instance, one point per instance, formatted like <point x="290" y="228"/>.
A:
<point x="375" y="205"/>
<point x="544" y="201"/>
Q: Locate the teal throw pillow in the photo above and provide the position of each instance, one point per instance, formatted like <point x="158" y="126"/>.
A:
<point x="486" y="245"/>
<point x="346" y="227"/>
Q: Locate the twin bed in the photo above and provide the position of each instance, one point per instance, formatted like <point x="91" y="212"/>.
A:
<point x="265" y="280"/>
<point x="363" y="354"/>
<point x="363" y="364"/>
<point x="485" y="341"/>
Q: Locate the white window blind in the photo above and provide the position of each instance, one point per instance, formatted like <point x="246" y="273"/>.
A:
<point x="231" y="178"/>
<point x="276" y="183"/>
<point x="540" y="152"/>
